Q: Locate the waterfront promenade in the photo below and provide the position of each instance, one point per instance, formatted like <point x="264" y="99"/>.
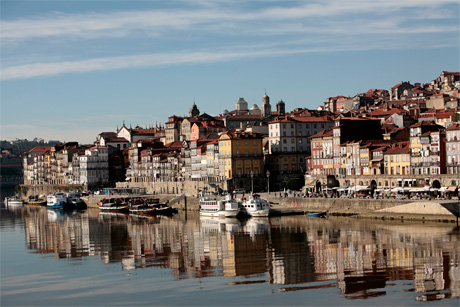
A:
<point x="391" y="209"/>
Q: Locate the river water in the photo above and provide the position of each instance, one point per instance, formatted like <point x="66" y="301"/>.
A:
<point x="86" y="258"/>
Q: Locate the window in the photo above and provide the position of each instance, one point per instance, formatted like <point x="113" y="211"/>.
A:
<point x="255" y="143"/>
<point x="255" y="152"/>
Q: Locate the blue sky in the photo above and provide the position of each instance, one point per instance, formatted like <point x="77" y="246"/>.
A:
<point x="73" y="69"/>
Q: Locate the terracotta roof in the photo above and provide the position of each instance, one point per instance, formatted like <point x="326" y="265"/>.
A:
<point x="324" y="133"/>
<point x="39" y="149"/>
<point x="144" y="131"/>
<point x="454" y="127"/>
<point x="443" y="115"/>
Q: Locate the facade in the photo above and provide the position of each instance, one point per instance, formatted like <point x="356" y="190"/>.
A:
<point x="397" y="159"/>
<point x="453" y="150"/>
<point x="241" y="158"/>
<point x="94" y="166"/>
<point x="173" y="129"/>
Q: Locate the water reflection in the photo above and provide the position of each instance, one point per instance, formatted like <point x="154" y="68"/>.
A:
<point x="362" y="259"/>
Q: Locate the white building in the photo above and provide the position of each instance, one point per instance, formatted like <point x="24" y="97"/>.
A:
<point x="94" y="166"/>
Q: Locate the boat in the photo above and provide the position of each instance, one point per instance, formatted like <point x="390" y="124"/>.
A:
<point x="56" y="200"/>
<point x="74" y="202"/>
<point x="35" y="200"/>
<point x="14" y="201"/>
<point x="255" y="206"/>
<point x="317" y="214"/>
<point x="163" y="209"/>
<point x="222" y="208"/>
<point x="113" y="205"/>
<point x="139" y="206"/>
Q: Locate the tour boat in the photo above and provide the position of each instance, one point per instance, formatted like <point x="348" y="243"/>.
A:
<point x="255" y="206"/>
<point x="113" y="205"/>
<point x="139" y="206"/>
<point x="56" y="200"/>
<point x="221" y="208"/>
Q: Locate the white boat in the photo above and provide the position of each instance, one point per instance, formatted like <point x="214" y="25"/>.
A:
<point x="56" y="200"/>
<point x="13" y="201"/>
<point x="255" y="206"/>
<point x="221" y="208"/>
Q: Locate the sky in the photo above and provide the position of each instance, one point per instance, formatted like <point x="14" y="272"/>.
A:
<point x="73" y="69"/>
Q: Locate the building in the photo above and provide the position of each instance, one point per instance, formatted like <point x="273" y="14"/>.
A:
<point x="453" y="149"/>
<point x="241" y="159"/>
<point x="397" y="159"/>
<point x="94" y="167"/>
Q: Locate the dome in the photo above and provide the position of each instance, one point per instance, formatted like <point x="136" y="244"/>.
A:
<point x="254" y="107"/>
<point x="241" y="105"/>
<point x="225" y="111"/>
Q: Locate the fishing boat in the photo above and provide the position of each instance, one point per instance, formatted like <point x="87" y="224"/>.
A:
<point x="222" y="208"/>
<point x="113" y="205"/>
<point x="255" y="206"/>
<point x="56" y="200"/>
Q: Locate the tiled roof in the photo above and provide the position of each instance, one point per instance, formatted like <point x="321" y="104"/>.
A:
<point x="39" y="149"/>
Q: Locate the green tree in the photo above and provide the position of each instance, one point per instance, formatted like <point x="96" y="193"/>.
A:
<point x="295" y="184"/>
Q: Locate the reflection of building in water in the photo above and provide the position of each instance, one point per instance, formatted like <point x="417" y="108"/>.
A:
<point x="290" y="258"/>
<point x="362" y="257"/>
<point x="50" y="231"/>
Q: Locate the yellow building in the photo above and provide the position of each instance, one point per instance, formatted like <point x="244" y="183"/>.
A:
<point x="397" y="159"/>
<point x="241" y="157"/>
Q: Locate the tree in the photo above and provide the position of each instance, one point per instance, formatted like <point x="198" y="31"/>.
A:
<point x="295" y="184"/>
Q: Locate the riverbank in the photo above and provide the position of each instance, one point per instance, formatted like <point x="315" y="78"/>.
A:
<point x="384" y="209"/>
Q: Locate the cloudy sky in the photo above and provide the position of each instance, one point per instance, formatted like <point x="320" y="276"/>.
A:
<point x="73" y="69"/>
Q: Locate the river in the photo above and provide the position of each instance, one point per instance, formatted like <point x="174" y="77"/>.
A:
<point x="58" y="258"/>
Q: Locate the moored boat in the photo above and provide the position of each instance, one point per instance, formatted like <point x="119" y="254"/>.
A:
<point x="220" y="208"/>
<point x="255" y="206"/>
<point x="317" y="214"/>
<point x="113" y="205"/>
<point x="35" y="200"/>
<point x="74" y="202"/>
<point x="13" y="201"/>
<point x="56" y="200"/>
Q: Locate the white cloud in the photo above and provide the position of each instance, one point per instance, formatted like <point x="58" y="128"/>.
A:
<point x="205" y="18"/>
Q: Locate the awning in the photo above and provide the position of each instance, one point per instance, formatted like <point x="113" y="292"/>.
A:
<point x="452" y="188"/>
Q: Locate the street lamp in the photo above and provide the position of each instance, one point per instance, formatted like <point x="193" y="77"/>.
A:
<point x="268" y="182"/>
<point x="252" y="182"/>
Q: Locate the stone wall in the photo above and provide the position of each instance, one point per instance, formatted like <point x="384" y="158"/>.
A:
<point x="45" y="189"/>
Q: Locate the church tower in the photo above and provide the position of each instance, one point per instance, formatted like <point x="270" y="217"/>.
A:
<point x="194" y="111"/>
<point x="281" y="108"/>
<point x="266" y="107"/>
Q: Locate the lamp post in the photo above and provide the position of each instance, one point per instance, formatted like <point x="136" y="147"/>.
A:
<point x="252" y="182"/>
<point x="268" y="182"/>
